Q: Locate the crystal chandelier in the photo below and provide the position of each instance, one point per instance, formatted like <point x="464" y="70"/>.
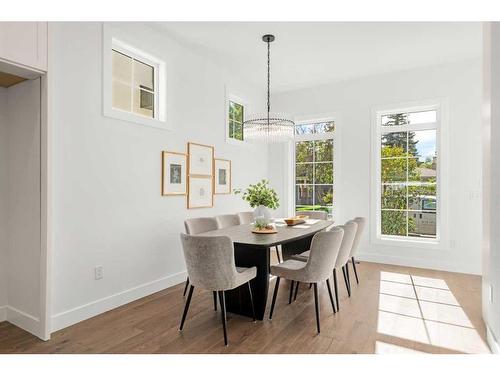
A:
<point x="268" y="127"/>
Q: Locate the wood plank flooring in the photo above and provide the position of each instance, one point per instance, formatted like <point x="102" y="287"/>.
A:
<point x="393" y="310"/>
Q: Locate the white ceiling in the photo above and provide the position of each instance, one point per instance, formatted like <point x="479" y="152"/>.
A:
<point x="307" y="54"/>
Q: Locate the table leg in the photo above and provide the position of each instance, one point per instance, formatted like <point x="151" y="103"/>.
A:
<point x="296" y="247"/>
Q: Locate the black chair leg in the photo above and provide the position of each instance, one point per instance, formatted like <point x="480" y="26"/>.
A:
<point x="215" y="301"/>
<point x="186" y="287"/>
<point x="310" y="285"/>
<point x="186" y="307"/>
<point x="276" y="286"/>
<point x="222" y="301"/>
<point x="316" y="305"/>
<point x="278" y="254"/>
<point x="336" y="288"/>
<point x="251" y="300"/>
<point x="291" y="292"/>
<point x="348" y="277"/>
<point x="355" y="271"/>
<point x="346" y="282"/>
<point x="331" y="295"/>
<point x="296" y="291"/>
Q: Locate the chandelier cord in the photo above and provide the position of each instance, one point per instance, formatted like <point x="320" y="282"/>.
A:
<point x="268" y="79"/>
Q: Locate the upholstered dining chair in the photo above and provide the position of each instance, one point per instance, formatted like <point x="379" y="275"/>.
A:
<point x="224" y="221"/>
<point x="245" y="217"/>
<point x="318" y="215"/>
<point x="350" y="229"/>
<point x="361" y="221"/>
<point x="211" y="266"/>
<point x="322" y="257"/>
<point x="195" y="226"/>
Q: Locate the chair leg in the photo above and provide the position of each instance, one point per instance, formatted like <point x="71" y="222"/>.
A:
<point x="316" y="305"/>
<point x="331" y="295"/>
<point x="346" y="282"/>
<point x="296" y="291"/>
<point x="222" y="301"/>
<point x="186" y="307"/>
<point x="348" y="277"/>
<point x="215" y="300"/>
<point x="251" y="300"/>
<point x="355" y="271"/>
<point x="291" y="292"/>
<point x="276" y="286"/>
<point x="278" y="254"/>
<point x="310" y="285"/>
<point x="186" y="287"/>
<point x="336" y="288"/>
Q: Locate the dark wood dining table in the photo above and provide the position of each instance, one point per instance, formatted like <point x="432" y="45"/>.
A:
<point x="251" y="249"/>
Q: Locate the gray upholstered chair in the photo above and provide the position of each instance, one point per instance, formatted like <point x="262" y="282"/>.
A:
<point x="322" y="257"/>
<point x="350" y="229"/>
<point x="246" y="217"/>
<point x="319" y="215"/>
<point x="361" y="221"/>
<point x="224" y="221"/>
<point x="210" y="265"/>
<point x="195" y="226"/>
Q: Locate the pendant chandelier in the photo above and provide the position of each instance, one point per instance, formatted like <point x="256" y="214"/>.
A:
<point x="268" y="127"/>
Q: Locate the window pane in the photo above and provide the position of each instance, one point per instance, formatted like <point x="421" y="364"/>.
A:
<point x="122" y="96"/>
<point x="395" y="119"/>
<point x="143" y="103"/>
<point x="323" y="150"/>
<point x="422" y="224"/>
<point x="304" y="151"/>
<point x="425" y="146"/>
<point x="394" y="144"/>
<point x="143" y="76"/>
<point x="422" y="197"/>
<point x="422" y="171"/>
<point x="323" y="173"/>
<point x="304" y="173"/>
<point x="122" y="68"/>
<point x="304" y="129"/>
<point x="323" y="195"/>
<point x="394" y="197"/>
<point x="231" y="129"/>
<point x="231" y="110"/>
<point x="394" y="223"/>
<point x="394" y="170"/>
<point x="325" y="127"/>
<point x="422" y="117"/>
<point x="238" y="131"/>
<point x="303" y="195"/>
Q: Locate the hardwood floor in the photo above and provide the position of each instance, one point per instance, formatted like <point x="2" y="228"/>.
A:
<point x="388" y="312"/>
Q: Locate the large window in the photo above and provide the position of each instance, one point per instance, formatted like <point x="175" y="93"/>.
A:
<point x="314" y="166"/>
<point x="408" y="166"/>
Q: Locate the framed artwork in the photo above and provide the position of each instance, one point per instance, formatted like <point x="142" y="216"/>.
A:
<point x="200" y="192"/>
<point x="222" y="176"/>
<point x="174" y="172"/>
<point x="200" y="159"/>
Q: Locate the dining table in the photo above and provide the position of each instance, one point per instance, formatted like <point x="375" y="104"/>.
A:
<point x="254" y="250"/>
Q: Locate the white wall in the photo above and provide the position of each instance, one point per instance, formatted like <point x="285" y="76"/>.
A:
<point x="491" y="183"/>
<point x="4" y="171"/>
<point x="107" y="208"/>
<point x="352" y="101"/>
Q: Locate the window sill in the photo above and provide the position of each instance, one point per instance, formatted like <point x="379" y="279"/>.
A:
<point x="136" y="119"/>
<point x="414" y="243"/>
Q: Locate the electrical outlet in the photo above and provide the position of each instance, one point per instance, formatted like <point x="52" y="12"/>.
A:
<point x="491" y="294"/>
<point x="98" y="272"/>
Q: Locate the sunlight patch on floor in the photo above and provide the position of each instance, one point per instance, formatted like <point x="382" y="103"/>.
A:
<point x="424" y="310"/>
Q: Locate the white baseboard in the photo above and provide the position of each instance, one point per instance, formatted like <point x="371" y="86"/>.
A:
<point x="80" y="313"/>
<point x="3" y="313"/>
<point x="24" y="321"/>
<point x="492" y="342"/>
<point x="418" y="263"/>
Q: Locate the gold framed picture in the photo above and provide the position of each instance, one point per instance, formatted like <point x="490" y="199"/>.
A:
<point x="200" y="159"/>
<point x="200" y="192"/>
<point x="174" y="173"/>
<point x="222" y="176"/>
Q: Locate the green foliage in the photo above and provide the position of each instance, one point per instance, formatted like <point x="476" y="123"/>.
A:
<point x="260" y="194"/>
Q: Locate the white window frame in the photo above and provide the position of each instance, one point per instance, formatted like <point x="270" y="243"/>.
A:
<point x="336" y="156"/>
<point x="441" y="106"/>
<point x="230" y="96"/>
<point x="159" y="120"/>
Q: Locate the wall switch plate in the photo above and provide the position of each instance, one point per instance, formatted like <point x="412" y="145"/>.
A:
<point x="98" y="272"/>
